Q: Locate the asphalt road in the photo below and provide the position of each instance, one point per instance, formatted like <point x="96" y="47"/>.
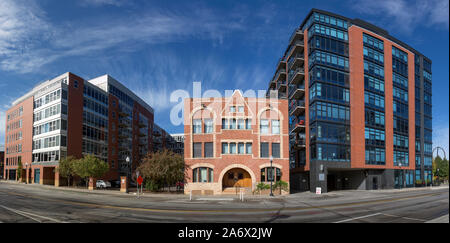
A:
<point x="34" y="204"/>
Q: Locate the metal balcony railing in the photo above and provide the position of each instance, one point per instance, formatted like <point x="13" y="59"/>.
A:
<point x="296" y="88"/>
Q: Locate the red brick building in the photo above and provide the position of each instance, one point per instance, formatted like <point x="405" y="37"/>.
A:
<point x="229" y="143"/>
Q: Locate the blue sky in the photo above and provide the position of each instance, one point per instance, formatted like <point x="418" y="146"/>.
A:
<point x="156" y="47"/>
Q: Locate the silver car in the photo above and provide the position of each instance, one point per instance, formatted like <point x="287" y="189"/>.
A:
<point x="103" y="184"/>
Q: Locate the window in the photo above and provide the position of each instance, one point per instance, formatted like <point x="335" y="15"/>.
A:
<point x="197" y="125"/>
<point x="208" y="125"/>
<point x="209" y="150"/>
<point x="267" y="174"/>
<point x="233" y="124"/>
<point x="275" y="127"/>
<point x="232" y="148"/>
<point x="248" y="148"/>
<point x="241" y="109"/>
<point x="264" y="150"/>
<point x="241" y="148"/>
<point x="241" y="124"/>
<point x="264" y="126"/>
<point x="75" y="84"/>
<point x="232" y="108"/>
<point x="224" y="148"/>
<point x="197" y="150"/>
<point x="202" y="174"/>
<point x="276" y="150"/>
<point x="224" y="123"/>
<point x="248" y="124"/>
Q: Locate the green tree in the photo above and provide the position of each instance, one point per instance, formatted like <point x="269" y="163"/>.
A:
<point x="162" y="168"/>
<point x="442" y="165"/>
<point x="90" y="166"/>
<point x="66" y="168"/>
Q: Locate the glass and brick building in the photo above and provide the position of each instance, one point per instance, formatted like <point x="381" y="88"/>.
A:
<point x="229" y="142"/>
<point x="359" y="106"/>
<point x="71" y="116"/>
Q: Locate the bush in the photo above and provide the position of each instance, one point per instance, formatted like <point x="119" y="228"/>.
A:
<point x="282" y="184"/>
<point x="262" y="186"/>
<point x="152" y="186"/>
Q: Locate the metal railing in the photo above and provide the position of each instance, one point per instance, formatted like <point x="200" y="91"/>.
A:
<point x="293" y="88"/>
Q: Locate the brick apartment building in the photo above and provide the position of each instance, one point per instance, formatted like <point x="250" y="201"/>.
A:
<point x="359" y="106"/>
<point x="71" y="116"/>
<point x="229" y="142"/>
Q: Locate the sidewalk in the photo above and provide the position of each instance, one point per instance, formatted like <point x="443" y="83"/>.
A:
<point x="443" y="219"/>
<point x="303" y="196"/>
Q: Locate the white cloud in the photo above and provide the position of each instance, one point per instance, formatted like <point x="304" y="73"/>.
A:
<point x="96" y="3"/>
<point x="404" y="15"/>
<point x="28" y="41"/>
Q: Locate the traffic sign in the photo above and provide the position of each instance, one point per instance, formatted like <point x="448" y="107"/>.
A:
<point x="139" y="180"/>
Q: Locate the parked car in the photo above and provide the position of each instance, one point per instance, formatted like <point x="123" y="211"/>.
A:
<point x="103" y="184"/>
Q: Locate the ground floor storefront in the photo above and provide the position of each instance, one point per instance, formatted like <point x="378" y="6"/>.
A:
<point x="337" y="177"/>
<point x="208" y="179"/>
<point x="35" y="174"/>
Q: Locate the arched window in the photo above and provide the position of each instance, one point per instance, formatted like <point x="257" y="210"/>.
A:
<point x="202" y="174"/>
<point x="267" y="174"/>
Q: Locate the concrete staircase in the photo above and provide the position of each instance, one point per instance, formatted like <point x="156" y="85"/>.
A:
<point x="236" y="190"/>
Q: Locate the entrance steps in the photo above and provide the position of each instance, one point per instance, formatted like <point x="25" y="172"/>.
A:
<point x="236" y="190"/>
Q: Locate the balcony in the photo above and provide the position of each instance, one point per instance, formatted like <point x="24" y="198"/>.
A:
<point x="281" y="64"/>
<point x="123" y="114"/>
<point x="296" y="76"/>
<point x="297" y="127"/>
<point x="296" y="107"/>
<point x="297" y="46"/>
<point x="296" y="60"/>
<point x="281" y="86"/>
<point x="296" y="92"/>
<point x="279" y="75"/>
<point x="298" y="144"/>
<point x="296" y="36"/>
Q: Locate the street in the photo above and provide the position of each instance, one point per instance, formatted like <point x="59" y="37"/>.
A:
<point x="37" y="204"/>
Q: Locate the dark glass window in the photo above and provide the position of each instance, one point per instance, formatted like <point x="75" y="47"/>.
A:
<point x="197" y="150"/>
<point x="209" y="150"/>
<point x="264" y="150"/>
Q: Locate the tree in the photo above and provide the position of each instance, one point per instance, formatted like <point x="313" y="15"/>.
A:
<point x="90" y="166"/>
<point x="66" y="168"/>
<point x="162" y="168"/>
<point x="442" y="165"/>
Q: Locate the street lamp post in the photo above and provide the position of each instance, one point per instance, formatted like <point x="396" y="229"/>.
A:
<point x="26" y="173"/>
<point x="272" y="175"/>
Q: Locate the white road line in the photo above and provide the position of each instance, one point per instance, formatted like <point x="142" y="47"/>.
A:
<point x="367" y="216"/>
<point x="31" y="215"/>
<point x="390" y="215"/>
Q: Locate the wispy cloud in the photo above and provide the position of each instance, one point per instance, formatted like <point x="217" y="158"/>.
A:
<point x="24" y="49"/>
<point x="96" y="3"/>
<point x="405" y="15"/>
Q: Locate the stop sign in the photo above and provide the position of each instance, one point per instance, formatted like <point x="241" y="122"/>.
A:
<point x="139" y="180"/>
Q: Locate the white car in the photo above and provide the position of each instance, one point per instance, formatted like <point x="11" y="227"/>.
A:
<point x="103" y="184"/>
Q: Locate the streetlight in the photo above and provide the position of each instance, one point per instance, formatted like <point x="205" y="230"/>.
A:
<point x="26" y="172"/>
<point x="272" y="175"/>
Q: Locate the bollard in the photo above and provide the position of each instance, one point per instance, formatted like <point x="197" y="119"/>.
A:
<point x="190" y="195"/>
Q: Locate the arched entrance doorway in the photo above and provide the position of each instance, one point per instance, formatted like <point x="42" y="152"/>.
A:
<point x="237" y="177"/>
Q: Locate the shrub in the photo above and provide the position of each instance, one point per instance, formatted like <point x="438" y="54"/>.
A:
<point x="282" y="184"/>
